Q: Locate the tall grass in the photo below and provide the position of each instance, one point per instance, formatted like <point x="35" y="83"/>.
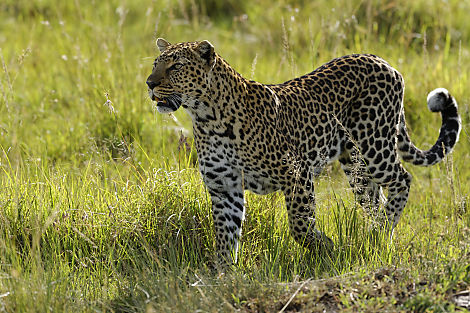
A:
<point x="102" y="206"/>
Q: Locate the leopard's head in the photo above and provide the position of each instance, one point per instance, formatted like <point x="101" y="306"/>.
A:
<point x="180" y="72"/>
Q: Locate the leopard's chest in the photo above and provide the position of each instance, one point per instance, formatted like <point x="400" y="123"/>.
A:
<point x="259" y="183"/>
<point x="224" y="158"/>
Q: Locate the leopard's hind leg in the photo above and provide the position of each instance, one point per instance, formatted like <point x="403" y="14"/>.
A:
<point x="372" y="131"/>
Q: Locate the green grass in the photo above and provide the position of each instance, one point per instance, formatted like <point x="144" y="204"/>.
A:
<point x="101" y="204"/>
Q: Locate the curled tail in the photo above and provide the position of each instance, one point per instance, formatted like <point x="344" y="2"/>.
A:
<point x="439" y="100"/>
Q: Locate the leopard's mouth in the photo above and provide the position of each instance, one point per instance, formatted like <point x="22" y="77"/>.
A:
<point x="166" y="104"/>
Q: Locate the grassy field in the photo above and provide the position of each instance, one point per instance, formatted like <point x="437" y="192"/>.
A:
<point x="102" y="208"/>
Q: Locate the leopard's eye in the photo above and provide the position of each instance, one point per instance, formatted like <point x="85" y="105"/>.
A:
<point x="175" y="67"/>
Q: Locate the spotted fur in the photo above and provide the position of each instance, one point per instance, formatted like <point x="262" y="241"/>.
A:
<point x="266" y="138"/>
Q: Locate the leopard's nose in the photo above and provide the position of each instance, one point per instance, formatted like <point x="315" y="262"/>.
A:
<point x="151" y="84"/>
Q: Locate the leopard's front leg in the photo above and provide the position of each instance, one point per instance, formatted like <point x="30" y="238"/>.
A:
<point x="300" y="202"/>
<point x="228" y="209"/>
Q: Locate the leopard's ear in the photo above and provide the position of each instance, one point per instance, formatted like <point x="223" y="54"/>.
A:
<point x="162" y="44"/>
<point x="206" y="51"/>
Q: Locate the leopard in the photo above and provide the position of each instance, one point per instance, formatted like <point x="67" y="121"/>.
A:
<point x="268" y="138"/>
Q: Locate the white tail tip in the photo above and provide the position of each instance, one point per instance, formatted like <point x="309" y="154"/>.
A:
<point x="438" y="99"/>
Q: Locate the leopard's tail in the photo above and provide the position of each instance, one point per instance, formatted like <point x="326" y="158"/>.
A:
<point x="439" y="100"/>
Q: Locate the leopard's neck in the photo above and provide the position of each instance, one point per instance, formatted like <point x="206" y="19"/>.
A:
<point x="227" y="97"/>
